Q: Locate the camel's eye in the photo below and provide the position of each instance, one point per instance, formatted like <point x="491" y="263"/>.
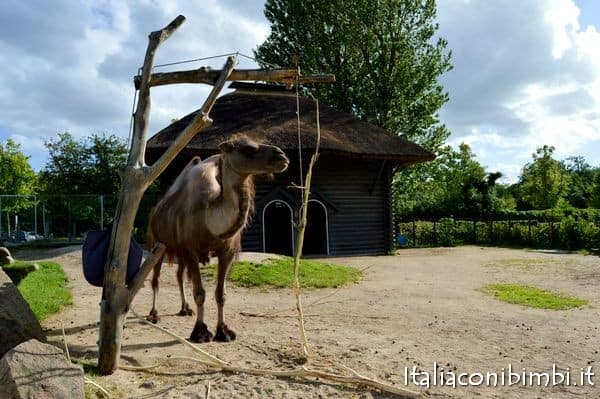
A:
<point x="249" y="150"/>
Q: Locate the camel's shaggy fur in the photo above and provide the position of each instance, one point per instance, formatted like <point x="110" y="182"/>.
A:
<point x="203" y="214"/>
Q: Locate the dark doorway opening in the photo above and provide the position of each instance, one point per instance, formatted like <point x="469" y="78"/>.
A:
<point x="278" y="229"/>
<point x="315" y="236"/>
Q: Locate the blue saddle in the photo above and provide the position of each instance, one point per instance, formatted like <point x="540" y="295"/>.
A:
<point x="95" y="251"/>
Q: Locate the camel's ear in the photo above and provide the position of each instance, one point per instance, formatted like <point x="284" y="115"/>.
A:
<point x="226" y="146"/>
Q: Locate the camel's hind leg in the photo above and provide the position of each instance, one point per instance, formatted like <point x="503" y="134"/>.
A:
<point x="223" y="333"/>
<point x="200" y="332"/>
<point x="153" y="315"/>
<point x="185" y="307"/>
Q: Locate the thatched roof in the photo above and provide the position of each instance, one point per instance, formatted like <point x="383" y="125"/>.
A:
<point x="271" y="117"/>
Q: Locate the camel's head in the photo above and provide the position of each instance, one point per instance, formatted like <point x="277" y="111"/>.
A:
<point x="247" y="156"/>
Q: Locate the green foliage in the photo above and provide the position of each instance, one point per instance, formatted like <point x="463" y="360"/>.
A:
<point x="532" y="297"/>
<point x="76" y="174"/>
<point x="45" y="290"/>
<point x="386" y="57"/>
<point x="87" y="166"/>
<point x="454" y="185"/>
<point x="581" y="188"/>
<point x="16" y="176"/>
<point x="595" y="190"/>
<point x="279" y="272"/>
<point x="544" y="181"/>
<point x="571" y="229"/>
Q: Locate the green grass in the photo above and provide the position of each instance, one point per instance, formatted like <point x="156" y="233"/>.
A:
<point x="279" y="272"/>
<point x="46" y="290"/>
<point x="532" y="297"/>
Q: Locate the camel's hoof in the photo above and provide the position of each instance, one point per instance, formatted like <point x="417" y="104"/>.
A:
<point x="201" y="334"/>
<point x="153" y="316"/>
<point x="185" y="311"/>
<point x="224" y="334"/>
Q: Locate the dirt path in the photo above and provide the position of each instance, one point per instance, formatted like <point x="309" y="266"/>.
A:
<point x="419" y="307"/>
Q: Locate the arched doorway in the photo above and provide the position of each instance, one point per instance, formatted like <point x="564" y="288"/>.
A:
<point x="316" y="236"/>
<point x="278" y="228"/>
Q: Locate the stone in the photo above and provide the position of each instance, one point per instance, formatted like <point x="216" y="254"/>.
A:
<point x="5" y="256"/>
<point x="37" y="370"/>
<point x="17" y="321"/>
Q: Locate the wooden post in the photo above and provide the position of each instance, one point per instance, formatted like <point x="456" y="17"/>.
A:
<point x="414" y="231"/>
<point x="475" y="231"/>
<point x="137" y="177"/>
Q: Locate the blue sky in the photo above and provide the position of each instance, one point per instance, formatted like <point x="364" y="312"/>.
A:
<point x="526" y="73"/>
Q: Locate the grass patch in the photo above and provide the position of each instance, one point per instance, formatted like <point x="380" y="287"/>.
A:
<point x="532" y="297"/>
<point x="279" y="272"/>
<point x="45" y="290"/>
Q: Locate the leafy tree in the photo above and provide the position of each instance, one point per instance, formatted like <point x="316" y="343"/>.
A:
<point x="384" y="54"/>
<point x="457" y="185"/>
<point x="78" y="168"/>
<point x="580" y="191"/>
<point x="544" y="181"/>
<point x="595" y="200"/>
<point x="16" y="178"/>
<point x="88" y="166"/>
<point x="16" y="175"/>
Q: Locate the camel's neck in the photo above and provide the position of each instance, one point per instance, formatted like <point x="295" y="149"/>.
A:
<point x="237" y="191"/>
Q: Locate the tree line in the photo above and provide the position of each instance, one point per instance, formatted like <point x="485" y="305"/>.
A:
<point x="457" y="185"/>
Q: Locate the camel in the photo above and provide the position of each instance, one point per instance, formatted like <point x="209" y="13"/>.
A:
<point x="203" y="214"/>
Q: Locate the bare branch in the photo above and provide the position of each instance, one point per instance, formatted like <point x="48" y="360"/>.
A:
<point x="156" y="256"/>
<point x="200" y="121"/>
<point x="142" y="112"/>
<point x="210" y="76"/>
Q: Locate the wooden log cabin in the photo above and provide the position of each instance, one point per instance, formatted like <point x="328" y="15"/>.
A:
<point x="350" y="207"/>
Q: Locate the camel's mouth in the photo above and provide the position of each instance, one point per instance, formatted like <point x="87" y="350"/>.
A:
<point x="282" y="165"/>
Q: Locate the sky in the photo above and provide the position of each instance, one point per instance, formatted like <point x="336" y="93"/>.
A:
<point x="526" y="73"/>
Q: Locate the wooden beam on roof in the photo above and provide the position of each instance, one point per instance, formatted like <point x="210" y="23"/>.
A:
<point x="209" y="76"/>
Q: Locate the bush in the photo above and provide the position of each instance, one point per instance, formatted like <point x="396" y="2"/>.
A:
<point x="578" y="229"/>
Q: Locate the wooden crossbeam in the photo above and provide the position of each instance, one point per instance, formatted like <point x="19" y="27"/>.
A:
<point x="209" y="76"/>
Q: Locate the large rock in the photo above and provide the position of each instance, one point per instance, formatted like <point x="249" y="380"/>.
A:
<point x="41" y="371"/>
<point x="5" y="256"/>
<point x="17" y="321"/>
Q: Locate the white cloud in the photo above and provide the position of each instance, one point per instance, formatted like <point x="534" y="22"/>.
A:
<point x="69" y="66"/>
<point x="525" y="75"/>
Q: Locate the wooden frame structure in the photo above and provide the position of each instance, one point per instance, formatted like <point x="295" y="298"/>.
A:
<point x="137" y="177"/>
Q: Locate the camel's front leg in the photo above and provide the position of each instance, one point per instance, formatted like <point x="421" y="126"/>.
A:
<point x="222" y="333"/>
<point x="200" y="332"/>
<point x="153" y="315"/>
<point x="185" y="308"/>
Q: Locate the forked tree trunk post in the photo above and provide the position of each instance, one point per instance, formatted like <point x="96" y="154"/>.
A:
<point x="137" y="177"/>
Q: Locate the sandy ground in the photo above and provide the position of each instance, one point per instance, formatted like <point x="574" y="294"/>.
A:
<point x="413" y="309"/>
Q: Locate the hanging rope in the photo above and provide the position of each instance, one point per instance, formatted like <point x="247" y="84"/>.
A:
<point x="135" y="93"/>
<point x="299" y="133"/>
<point x="237" y="53"/>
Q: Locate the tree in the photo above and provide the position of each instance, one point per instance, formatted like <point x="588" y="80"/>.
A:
<point x="87" y="166"/>
<point x="16" y="175"/>
<point x="78" y="172"/>
<point x="544" y="181"/>
<point x="456" y="185"/>
<point x="595" y="200"/>
<point x="580" y="191"/>
<point x="383" y="53"/>
<point x="16" y="178"/>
